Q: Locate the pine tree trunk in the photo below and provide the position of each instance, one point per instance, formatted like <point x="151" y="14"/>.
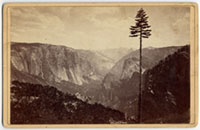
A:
<point x="140" y="83"/>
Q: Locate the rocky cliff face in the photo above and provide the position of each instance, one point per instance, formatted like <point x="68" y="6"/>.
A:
<point x="59" y="63"/>
<point x="129" y="64"/>
<point x="121" y="84"/>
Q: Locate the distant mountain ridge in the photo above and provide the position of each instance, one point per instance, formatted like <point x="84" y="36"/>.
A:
<point x="115" y="54"/>
<point x="56" y="63"/>
<point x="69" y="70"/>
<point x="129" y="64"/>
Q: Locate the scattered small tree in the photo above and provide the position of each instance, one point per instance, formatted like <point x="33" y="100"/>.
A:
<point x="142" y="30"/>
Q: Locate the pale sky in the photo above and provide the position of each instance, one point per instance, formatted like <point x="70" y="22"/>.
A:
<point x="98" y="27"/>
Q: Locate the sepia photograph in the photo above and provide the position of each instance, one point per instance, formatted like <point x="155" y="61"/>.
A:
<point x="120" y="64"/>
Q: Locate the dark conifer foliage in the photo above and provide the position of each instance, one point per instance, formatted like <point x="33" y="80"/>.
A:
<point x="142" y="30"/>
<point x="141" y="27"/>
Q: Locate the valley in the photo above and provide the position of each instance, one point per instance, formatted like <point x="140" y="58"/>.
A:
<point x="108" y="77"/>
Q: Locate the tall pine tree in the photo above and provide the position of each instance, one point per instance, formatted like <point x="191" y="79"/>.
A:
<point x="142" y="30"/>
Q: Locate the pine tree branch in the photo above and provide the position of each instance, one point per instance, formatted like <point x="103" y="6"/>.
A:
<point x="134" y="32"/>
<point x="133" y="35"/>
<point x="145" y="36"/>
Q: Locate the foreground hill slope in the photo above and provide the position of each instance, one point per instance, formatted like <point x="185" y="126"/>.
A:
<point x="167" y="90"/>
<point x="37" y="104"/>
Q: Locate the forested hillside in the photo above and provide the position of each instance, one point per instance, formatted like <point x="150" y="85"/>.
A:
<point x="37" y="104"/>
<point x="166" y="94"/>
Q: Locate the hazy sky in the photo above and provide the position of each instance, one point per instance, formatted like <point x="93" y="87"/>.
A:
<point x="98" y="27"/>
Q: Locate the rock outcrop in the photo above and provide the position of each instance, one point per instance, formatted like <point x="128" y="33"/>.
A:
<point x="59" y="63"/>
